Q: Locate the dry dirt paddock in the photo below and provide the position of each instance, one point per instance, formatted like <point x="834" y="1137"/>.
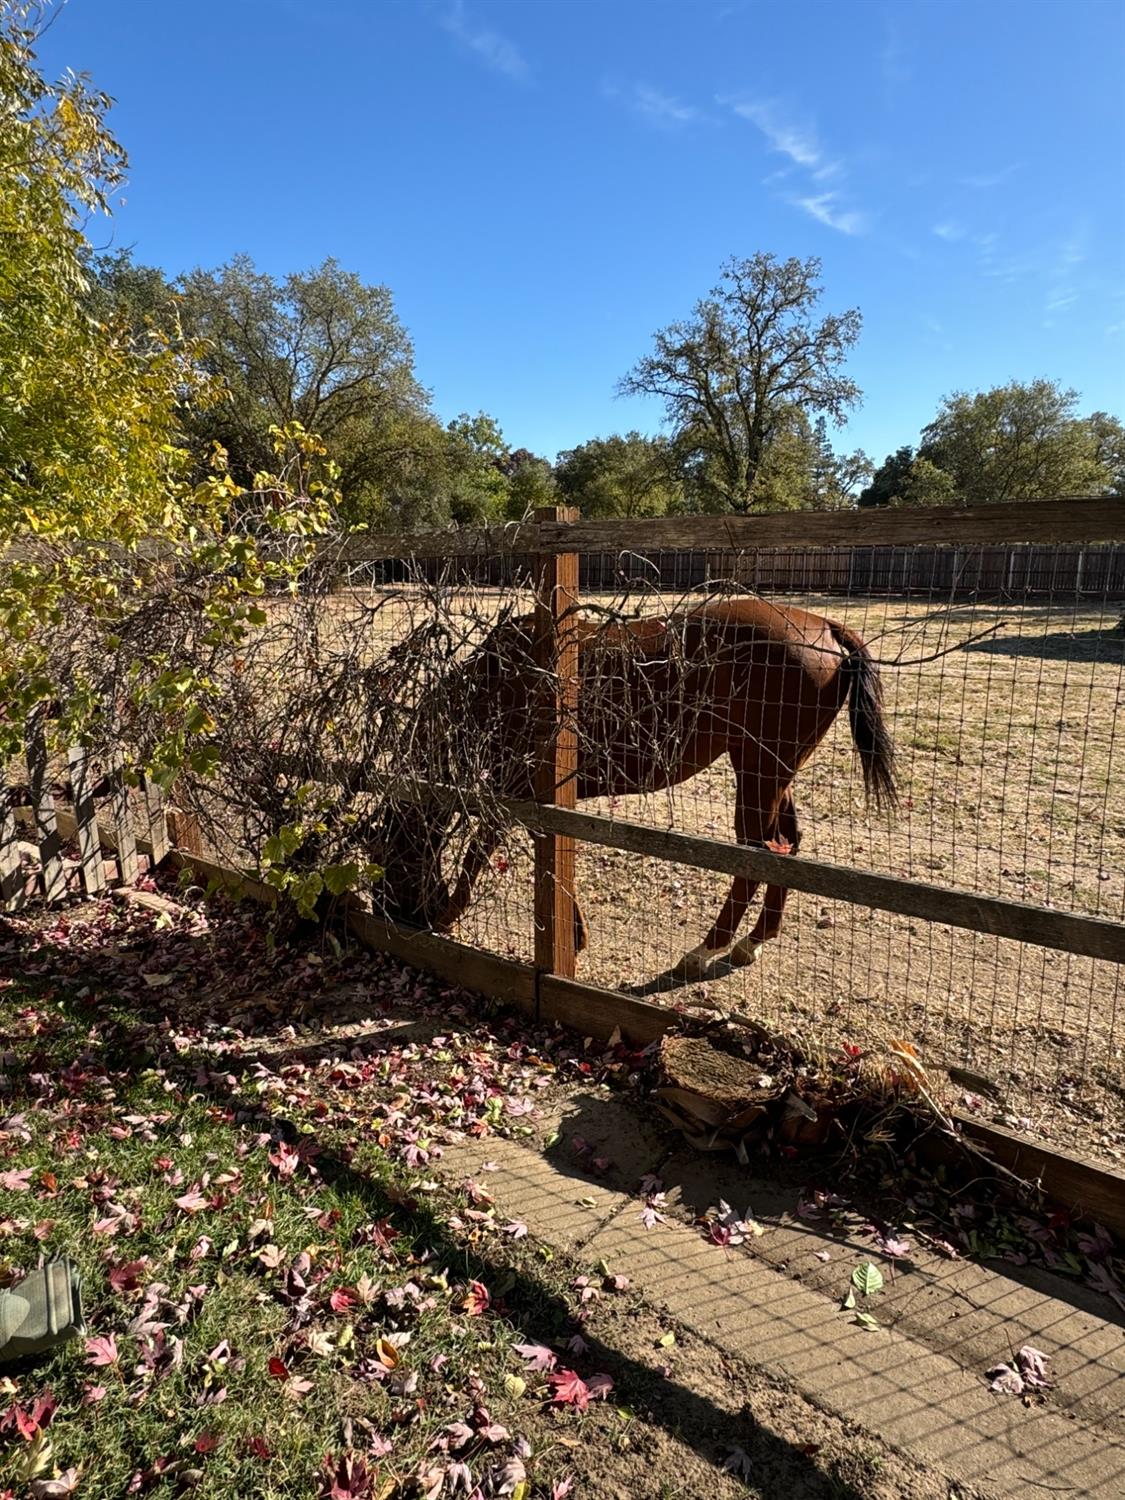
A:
<point x="1012" y="778"/>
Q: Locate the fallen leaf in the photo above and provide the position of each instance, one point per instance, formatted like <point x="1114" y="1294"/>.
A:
<point x="867" y="1278"/>
<point x="102" y="1351"/>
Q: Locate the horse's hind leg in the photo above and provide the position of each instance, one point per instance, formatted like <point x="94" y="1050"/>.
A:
<point x="755" y="816"/>
<point x="768" y="924"/>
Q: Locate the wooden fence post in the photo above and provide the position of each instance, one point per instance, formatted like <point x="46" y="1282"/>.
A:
<point x="556" y="656"/>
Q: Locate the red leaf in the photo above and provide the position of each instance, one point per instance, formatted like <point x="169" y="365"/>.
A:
<point x="780" y="845"/>
<point x="207" y="1442"/>
<point x="569" y="1389"/>
<point x="341" y="1300"/>
<point x="278" y="1369"/>
<point x="259" y="1448"/>
<point x="477" y="1299"/>
<point x="123" y="1277"/>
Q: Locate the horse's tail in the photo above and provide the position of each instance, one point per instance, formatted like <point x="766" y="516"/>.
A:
<point x="870" y="734"/>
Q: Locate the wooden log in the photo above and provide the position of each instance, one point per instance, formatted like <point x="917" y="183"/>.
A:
<point x="43" y="810"/>
<point x="1070" y="932"/>
<point x="556" y="770"/>
<point x="599" y="1013"/>
<point x="85" y="815"/>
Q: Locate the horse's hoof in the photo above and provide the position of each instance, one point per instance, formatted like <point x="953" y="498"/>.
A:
<point x="745" y="953"/>
<point x="695" y="963"/>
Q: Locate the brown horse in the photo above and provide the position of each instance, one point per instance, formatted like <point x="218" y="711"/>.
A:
<point x="659" y="700"/>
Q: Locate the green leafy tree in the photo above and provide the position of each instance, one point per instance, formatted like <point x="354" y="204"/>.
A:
<point x="320" y="348"/>
<point x="731" y="374"/>
<point x="1020" y="441"/>
<point x="97" y="520"/>
<point x="620" y="476"/>
<point x="531" y="484"/>
<point x="904" y="478"/>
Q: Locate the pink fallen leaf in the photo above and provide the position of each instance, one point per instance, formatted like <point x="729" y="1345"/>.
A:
<point x="92" y="1395"/>
<point x="737" y="1462"/>
<point x="124" y="1277"/>
<point x="192" y="1201"/>
<point x="823" y="1254"/>
<point x="599" y="1386"/>
<point x="516" y="1230"/>
<point x="1032" y="1365"/>
<point x="895" y="1249"/>
<point x="102" y="1350"/>
<point x="341" y="1300"/>
<point x="55" y="1489"/>
<point x="569" y="1389"/>
<point x="1004" y="1378"/>
<point x="17" y="1182"/>
<point x="538" y="1356"/>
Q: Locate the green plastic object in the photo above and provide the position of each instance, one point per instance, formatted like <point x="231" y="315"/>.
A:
<point x="42" y="1311"/>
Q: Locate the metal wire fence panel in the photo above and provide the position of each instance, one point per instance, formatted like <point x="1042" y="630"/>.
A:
<point x="1004" y="707"/>
<point x="770" y="695"/>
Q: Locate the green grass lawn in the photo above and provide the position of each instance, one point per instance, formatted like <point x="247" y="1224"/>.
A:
<point x="272" y="1308"/>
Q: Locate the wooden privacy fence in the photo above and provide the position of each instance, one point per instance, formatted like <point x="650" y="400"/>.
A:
<point x="74" y="827"/>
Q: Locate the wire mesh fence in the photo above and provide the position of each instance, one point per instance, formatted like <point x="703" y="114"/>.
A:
<point x="398" y="706"/>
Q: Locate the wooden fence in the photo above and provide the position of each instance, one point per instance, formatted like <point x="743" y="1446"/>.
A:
<point x="55" y="839"/>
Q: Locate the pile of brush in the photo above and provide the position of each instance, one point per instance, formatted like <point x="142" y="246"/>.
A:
<point x="732" y="1085"/>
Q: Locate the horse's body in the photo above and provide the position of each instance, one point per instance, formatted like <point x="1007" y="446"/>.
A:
<point x="660" y="699"/>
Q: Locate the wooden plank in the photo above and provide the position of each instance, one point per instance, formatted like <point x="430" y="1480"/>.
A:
<point x="1071" y="932"/>
<point x="12" y="893"/>
<point x="469" y="968"/>
<point x="157" y="824"/>
<point x="477" y="542"/>
<point x="124" y="837"/>
<point x="556" y="770"/>
<point x="85" y="816"/>
<point x="43" y="810"/>
<point x="238" y="882"/>
<point x="592" y="1011"/>
<point x="1087" y="1188"/>
<point x="1078" y="520"/>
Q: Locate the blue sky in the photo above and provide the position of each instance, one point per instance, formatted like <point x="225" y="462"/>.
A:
<point x="543" y="183"/>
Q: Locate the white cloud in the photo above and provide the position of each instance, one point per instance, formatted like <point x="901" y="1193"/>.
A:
<point x="661" y="109"/>
<point x="823" y="207"/>
<point x="948" y="230"/>
<point x="795" y="141"/>
<point x="494" y="50"/>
